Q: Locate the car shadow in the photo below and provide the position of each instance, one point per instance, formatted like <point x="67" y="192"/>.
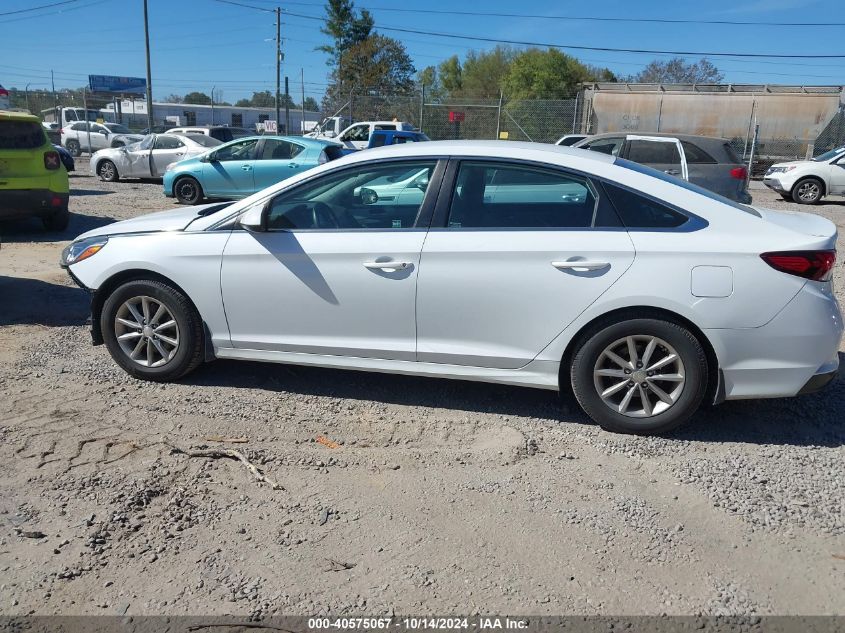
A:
<point x="90" y="192"/>
<point x="28" y="301"/>
<point x="31" y="229"/>
<point x="811" y="420"/>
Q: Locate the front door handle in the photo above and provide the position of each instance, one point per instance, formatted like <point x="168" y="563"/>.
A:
<point x="292" y="165"/>
<point x="246" y="167"/>
<point x="672" y="172"/>
<point x="580" y="266"/>
<point x="387" y="266"/>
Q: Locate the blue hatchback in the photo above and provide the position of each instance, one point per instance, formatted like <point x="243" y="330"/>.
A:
<point x="241" y="167"/>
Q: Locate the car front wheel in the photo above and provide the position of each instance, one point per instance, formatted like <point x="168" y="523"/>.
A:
<point x="808" y="191"/>
<point x="643" y="376"/>
<point x="108" y="171"/>
<point x="188" y="190"/>
<point x="152" y="330"/>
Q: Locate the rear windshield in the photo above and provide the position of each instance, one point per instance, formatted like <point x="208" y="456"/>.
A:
<point x="21" y="135"/>
<point x="685" y="185"/>
<point x="205" y="141"/>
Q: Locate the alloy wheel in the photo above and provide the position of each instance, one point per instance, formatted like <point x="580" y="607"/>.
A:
<point x="107" y="171"/>
<point x="146" y="331"/>
<point x="639" y="376"/>
<point x="809" y="191"/>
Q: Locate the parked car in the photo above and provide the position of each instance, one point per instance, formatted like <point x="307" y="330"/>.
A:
<point x="158" y="129"/>
<point x="53" y="133"/>
<point x="808" y="181"/>
<point x="357" y="135"/>
<point x="381" y="138"/>
<point x="67" y="159"/>
<point x="222" y="133"/>
<point x="149" y="157"/>
<point x="570" y="139"/>
<point x="32" y="180"/>
<point x="645" y="295"/>
<point x="75" y="137"/>
<point x="242" y="167"/>
<point x="706" y="161"/>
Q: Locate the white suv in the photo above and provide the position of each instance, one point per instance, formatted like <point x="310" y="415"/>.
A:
<point x="808" y="181"/>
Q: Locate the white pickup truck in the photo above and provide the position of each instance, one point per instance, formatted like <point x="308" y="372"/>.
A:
<point x="357" y="135"/>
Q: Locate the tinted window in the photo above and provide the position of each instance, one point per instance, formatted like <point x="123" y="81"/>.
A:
<point x="384" y="127"/>
<point x="205" y="141"/>
<point x="117" y="128"/>
<point x="376" y="196"/>
<point x="78" y="127"/>
<point x="243" y="150"/>
<point x="500" y="195"/>
<point x="605" y="145"/>
<point x="732" y="155"/>
<point x="357" y="133"/>
<point x="21" y="135"/>
<point x="653" y="152"/>
<point x="695" y="155"/>
<point x="168" y="142"/>
<point x="638" y="211"/>
<point x="378" y="140"/>
<point x="275" y="149"/>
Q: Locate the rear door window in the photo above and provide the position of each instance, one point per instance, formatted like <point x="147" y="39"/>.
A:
<point x="21" y="135"/>
<point x="653" y="152"/>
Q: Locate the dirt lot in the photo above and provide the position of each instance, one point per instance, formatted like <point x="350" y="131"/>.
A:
<point x="443" y="496"/>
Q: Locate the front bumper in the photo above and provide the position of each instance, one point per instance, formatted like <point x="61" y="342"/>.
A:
<point x="22" y="203"/>
<point x="775" y="184"/>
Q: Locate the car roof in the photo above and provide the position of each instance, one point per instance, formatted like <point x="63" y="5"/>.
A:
<point x="14" y="115"/>
<point x="502" y="150"/>
<point x="682" y="137"/>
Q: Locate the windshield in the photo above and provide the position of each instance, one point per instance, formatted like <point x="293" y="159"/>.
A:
<point x="117" y="128"/>
<point x="829" y="155"/>
<point x="686" y="185"/>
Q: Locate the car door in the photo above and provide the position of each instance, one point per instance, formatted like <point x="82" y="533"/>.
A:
<point x="837" y="176"/>
<point x="357" y="136"/>
<point x="278" y="159"/>
<point x="610" y="145"/>
<point x="229" y="170"/>
<point x="138" y="157"/>
<point x="503" y="273"/>
<point x="658" y="152"/>
<point x="331" y="274"/>
<point x="100" y="136"/>
<point x="167" y="149"/>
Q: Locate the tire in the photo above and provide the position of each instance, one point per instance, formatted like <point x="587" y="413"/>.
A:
<point x="107" y="171"/>
<point x="685" y="394"/>
<point x="56" y="221"/>
<point x="74" y="148"/>
<point x="808" y="191"/>
<point x="149" y="353"/>
<point x="188" y="190"/>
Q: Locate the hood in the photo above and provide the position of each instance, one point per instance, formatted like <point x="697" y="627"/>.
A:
<point x="804" y="223"/>
<point x="176" y="219"/>
<point x="794" y="163"/>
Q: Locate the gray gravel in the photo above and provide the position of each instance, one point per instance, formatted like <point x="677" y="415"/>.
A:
<point x="442" y="497"/>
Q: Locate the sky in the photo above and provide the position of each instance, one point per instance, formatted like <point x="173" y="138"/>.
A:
<point x="210" y="44"/>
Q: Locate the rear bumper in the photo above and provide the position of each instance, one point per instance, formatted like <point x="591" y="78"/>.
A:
<point x="18" y="203"/>
<point x="819" y="381"/>
<point x="796" y="352"/>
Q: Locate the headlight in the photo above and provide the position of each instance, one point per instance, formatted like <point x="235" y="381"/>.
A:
<point x="83" y="249"/>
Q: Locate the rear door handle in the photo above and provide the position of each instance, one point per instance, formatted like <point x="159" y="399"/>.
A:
<point x="387" y="266"/>
<point x="292" y="165"/>
<point x="580" y="266"/>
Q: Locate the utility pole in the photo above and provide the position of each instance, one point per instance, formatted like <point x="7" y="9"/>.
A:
<point x="53" y="85"/>
<point x="149" y="74"/>
<point x="278" y="61"/>
<point x="287" y="106"/>
<point x="302" y="103"/>
<point x="212" y="104"/>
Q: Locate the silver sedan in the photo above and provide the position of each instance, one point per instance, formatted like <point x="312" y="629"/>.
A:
<point x="149" y="157"/>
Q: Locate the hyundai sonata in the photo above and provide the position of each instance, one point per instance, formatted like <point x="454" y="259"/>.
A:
<point x="522" y="264"/>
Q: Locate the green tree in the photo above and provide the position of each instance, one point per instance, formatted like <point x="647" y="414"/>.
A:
<point x="676" y="70"/>
<point x="197" y="98"/>
<point x="311" y="104"/>
<point x="378" y="64"/>
<point x="264" y="99"/>
<point x="543" y="74"/>
<point x="482" y="74"/>
<point x="346" y="27"/>
<point x="449" y="76"/>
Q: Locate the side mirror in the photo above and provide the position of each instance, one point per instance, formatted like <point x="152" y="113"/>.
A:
<point x="368" y="196"/>
<point x="253" y="219"/>
<point x="422" y="184"/>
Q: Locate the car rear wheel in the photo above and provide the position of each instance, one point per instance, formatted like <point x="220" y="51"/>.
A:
<point x="187" y="190"/>
<point x="74" y="148"/>
<point x="642" y="376"/>
<point x="152" y="330"/>
<point x="108" y="171"/>
<point x="56" y="221"/>
<point x="808" y="191"/>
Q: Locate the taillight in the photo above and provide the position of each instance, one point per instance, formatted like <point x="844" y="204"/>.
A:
<point x="52" y="160"/>
<point x="740" y="173"/>
<point x="815" y="265"/>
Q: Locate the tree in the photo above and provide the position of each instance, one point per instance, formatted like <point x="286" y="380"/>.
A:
<point x="264" y="99"/>
<point x="174" y="98"/>
<point x="676" y="70"/>
<point x="346" y="28"/>
<point x="311" y="104"/>
<point x="197" y="98"/>
<point x="543" y="74"/>
<point x="482" y="74"/>
<point x="377" y="64"/>
<point x="449" y="76"/>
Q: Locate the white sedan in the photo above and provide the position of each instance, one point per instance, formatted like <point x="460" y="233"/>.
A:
<point x="808" y="181"/>
<point x="149" y="157"/>
<point x="643" y="294"/>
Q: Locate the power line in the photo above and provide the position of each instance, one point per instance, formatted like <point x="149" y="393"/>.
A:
<point x="43" y="6"/>
<point x="248" y="6"/>
<point x="43" y="15"/>
<point x="478" y="38"/>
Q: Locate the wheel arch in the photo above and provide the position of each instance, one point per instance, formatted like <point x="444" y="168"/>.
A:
<point x="98" y="298"/>
<point x="714" y="382"/>
<point x="815" y="177"/>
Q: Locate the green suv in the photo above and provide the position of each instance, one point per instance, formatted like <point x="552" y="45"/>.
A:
<point x="33" y="181"/>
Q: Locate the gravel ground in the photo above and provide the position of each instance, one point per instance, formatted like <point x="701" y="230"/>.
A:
<point x="439" y="496"/>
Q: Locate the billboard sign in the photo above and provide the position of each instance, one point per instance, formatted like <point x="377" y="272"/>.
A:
<point x="122" y="85"/>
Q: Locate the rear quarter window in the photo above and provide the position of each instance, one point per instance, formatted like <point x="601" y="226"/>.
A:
<point x="640" y="212"/>
<point x="21" y="135"/>
<point x="697" y="156"/>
